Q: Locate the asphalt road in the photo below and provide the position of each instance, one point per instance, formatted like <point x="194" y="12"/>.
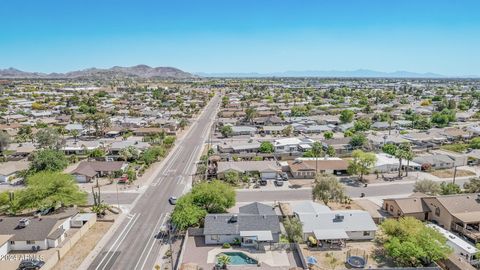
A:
<point x="135" y="244"/>
<point x="353" y="190"/>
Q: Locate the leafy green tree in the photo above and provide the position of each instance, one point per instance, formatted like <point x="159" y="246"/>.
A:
<point x="390" y="149"/>
<point x="226" y="131"/>
<point x="250" y="113"/>
<point x="97" y="153"/>
<point x="443" y="118"/>
<point x="317" y="151"/>
<point x="358" y="140"/>
<point x="472" y="186"/>
<point x="48" y="160"/>
<point x="449" y="188"/>
<point x="294" y="229"/>
<point x="362" y="124"/>
<point x="183" y="123"/>
<point x="287" y="131"/>
<point x="410" y="243"/>
<point x="346" y="116"/>
<point x="130" y="153"/>
<point x="266" y="147"/>
<point x="4" y="141"/>
<point x="206" y="197"/>
<point x="214" y="197"/>
<point x="99" y="121"/>
<point x="331" y="151"/>
<point x="169" y="141"/>
<point x="51" y="189"/>
<point x="186" y="214"/>
<point x="361" y="163"/>
<point x="328" y="135"/>
<point x="327" y="189"/>
<point x="48" y="138"/>
<point x="427" y="186"/>
<point x="475" y="143"/>
<point x="232" y="177"/>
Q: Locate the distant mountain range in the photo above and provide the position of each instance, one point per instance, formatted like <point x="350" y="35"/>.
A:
<point x="360" y="73"/>
<point x="139" y="71"/>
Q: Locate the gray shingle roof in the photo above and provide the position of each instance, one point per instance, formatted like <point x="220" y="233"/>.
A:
<point x="37" y="229"/>
<point x="252" y="217"/>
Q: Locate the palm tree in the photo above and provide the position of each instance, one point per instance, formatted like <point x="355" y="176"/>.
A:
<point x="74" y="133"/>
<point x="224" y="260"/>
<point x="317" y="151"/>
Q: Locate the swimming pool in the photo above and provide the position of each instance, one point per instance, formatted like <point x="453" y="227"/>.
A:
<point x="238" y="258"/>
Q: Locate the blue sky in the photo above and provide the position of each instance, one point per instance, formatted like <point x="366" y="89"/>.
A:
<point x="242" y="36"/>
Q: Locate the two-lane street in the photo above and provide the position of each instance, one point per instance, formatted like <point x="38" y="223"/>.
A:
<point x="135" y="244"/>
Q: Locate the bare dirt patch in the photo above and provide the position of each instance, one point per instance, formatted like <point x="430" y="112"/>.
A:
<point x="448" y="173"/>
<point x="82" y="248"/>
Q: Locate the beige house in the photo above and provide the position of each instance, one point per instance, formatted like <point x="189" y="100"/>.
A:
<point x="458" y="213"/>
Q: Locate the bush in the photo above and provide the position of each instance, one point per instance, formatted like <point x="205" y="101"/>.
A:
<point x="226" y="245"/>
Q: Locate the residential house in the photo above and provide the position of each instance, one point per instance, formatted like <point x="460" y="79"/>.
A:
<point x="243" y="130"/>
<point x="88" y="170"/>
<point x="305" y="167"/>
<point x="35" y="233"/>
<point x="239" y="147"/>
<point x="254" y="226"/>
<point x="387" y="164"/>
<point x="459" y="213"/>
<point x="268" y="170"/>
<point x="327" y="225"/>
<point x="9" y="170"/>
<point x="436" y="161"/>
<point x="117" y="146"/>
<point x="289" y="145"/>
<point x="74" y="147"/>
<point x="341" y="145"/>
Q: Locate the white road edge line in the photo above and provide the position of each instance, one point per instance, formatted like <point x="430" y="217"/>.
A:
<point x="148" y="242"/>
<point x="122" y="235"/>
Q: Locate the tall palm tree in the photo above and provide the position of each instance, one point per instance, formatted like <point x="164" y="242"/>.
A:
<point x="317" y="151"/>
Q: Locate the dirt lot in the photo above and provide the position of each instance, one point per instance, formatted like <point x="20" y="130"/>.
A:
<point x="335" y="259"/>
<point x="448" y="173"/>
<point x="80" y="250"/>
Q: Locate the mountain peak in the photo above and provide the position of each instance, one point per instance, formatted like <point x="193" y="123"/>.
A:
<point x="138" y="71"/>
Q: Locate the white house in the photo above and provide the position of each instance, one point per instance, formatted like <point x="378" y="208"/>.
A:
<point x="386" y="163"/>
<point x="10" y="169"/>
<point x="460" y="247"/>
<point x="288" y="145"/>
<point x="325" y="224"/>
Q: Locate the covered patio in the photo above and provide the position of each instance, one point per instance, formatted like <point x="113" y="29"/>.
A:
<point x="328" y="239"/>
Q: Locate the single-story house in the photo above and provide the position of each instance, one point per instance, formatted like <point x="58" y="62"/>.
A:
<point x="34" y="233"/>
<point x="267" y="169"/>
<point x="88" y="170"/>
<point x="326" y="225"/>
<point x="74" y="147"/>
<point x="288" y="145"/>
<point x="10" y="169"/>
<point x="437" y="161"/>
<point x="255" y="225"/>
<point x="305" y="167"/>
<point x="243" y="130"/>
<point x="118" y="146"/>
<point x="386" y="164"/>
<point x="239" y="147"/>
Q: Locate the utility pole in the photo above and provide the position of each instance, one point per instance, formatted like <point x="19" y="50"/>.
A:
<point x="454" y="173"/>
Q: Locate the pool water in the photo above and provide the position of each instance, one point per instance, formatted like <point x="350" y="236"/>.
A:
<point x="238" y="258"/>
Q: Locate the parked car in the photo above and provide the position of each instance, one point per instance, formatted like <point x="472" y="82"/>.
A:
<point x="279" y="183"/>
<point x="284" y="176"/>
<point x="44" y="211"/>
<point x="172" y="200"/>
<point x="30" y="264"/>
<point x="263" y="182"/>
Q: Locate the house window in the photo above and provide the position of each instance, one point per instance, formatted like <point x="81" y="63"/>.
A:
<point x="30" y="242"/>
<point x="12" y="242"/>
<point x="386" y="206"/>
<point x="214" y="237"/>
<point x="437" y="211"/>
<point x="391" y="208"/>
<point x="366" y="233"/>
